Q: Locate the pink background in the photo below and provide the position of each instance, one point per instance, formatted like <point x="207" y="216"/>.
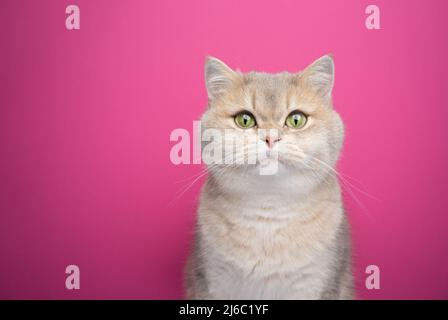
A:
<point x="85" y="119"/>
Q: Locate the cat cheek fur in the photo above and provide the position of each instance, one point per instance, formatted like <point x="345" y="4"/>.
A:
<point x="282" y="236"/>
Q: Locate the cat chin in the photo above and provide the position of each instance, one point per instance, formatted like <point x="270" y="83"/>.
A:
<point x="269" y="168"/>
<point x="246" y="179"/>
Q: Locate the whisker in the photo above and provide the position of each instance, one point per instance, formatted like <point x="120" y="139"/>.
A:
<point x="345" y="184"/>
<point x="209" y="168"/>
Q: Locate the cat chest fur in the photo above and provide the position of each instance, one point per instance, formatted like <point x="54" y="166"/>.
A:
<point x="266" y="259"/>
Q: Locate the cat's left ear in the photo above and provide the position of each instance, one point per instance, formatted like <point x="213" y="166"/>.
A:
<point x="320" y="76"/>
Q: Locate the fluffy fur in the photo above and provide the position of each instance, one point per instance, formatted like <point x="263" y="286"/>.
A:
<point x="282" y="236"/>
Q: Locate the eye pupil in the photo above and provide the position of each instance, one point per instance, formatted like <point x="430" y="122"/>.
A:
<point x="245" y="120"/>
<point x="296" y="120"/>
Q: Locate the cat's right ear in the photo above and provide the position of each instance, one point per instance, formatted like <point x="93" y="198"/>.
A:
<point x="218" y="77"/>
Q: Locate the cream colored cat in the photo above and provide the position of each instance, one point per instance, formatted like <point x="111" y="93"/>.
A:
<point x="283" y="235"/>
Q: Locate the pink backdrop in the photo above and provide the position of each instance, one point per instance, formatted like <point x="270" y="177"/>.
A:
<point x="86" y="116"/>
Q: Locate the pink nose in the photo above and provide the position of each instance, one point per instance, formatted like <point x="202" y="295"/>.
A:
<point x="271" y="140"/>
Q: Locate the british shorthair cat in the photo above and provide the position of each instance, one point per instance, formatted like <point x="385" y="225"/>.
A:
<point x="273" y="236"/>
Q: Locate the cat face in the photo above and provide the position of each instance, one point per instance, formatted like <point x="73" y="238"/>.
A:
<point x="284" y="120"/>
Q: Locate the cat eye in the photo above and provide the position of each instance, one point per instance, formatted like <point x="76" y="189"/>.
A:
<point x="245" y="120"/>
<point x="296" y="120"/>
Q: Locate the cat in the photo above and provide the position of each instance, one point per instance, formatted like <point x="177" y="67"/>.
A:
<point x="273" y="236"/>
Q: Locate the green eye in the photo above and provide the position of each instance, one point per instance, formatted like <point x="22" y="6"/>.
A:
<point x="245" y="120"/>
<point x="296" y="120"/>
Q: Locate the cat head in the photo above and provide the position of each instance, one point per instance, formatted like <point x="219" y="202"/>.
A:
<point x="285" y="120"/>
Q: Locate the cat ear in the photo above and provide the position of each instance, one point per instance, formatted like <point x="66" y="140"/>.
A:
<point x="218" y="77"/>
<point x="320" y="75"/>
